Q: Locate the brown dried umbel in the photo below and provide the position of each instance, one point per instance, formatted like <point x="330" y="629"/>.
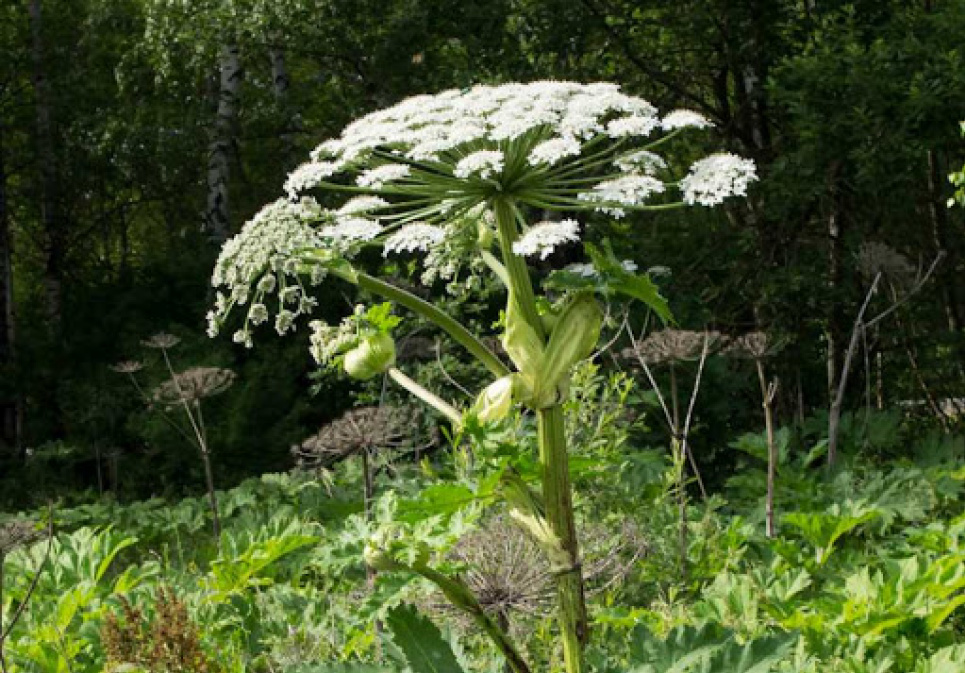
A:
<point x="128" y="367"/>
<point x="16" y="534"/>
<point x="168" y="642"/>
<point x="509" y="575"/>
<point x="161" y="341"/>
<point x="668" y="346"/>
<point x="193" y="385"/>
<point x="752" y="346"/>
<point x="875" y="258"/>
<point x="361" y="430"/>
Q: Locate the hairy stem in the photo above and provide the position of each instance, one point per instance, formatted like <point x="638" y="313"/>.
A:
<point x="554" y="462"/>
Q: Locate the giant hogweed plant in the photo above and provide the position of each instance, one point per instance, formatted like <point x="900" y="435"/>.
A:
<point x="466" y="180"/>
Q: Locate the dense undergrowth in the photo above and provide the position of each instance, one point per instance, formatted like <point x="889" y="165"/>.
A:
<point x="866" y="574"/>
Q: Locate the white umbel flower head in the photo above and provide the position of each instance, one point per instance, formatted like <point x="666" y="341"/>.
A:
<point x="641" y="161"/>
<point x="483" y="163"/>
<point x="629" y="190"/>
<point x="714" y="178"/>
<point x="679" y="119"/>
<point x="541" y="239"/>
<point x="361" y="204"/>
<point x="412" y="237"/>
<point x="352" y="229"/>
<point x="554" y="150"/>
<point x="308" y="175"/>
<point x="377" y="177"/>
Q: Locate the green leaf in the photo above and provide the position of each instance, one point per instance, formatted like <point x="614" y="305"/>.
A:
<point x="421" y="641"/>
<point x="709" y="649"/>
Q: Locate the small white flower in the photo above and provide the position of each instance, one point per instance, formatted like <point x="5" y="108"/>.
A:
<point x="679" y="119"/>
<point x="541" y="239"/>
<point x="484" y="163"/>
<point x="635" y="125"/>
<point x="376" y="178"/>
<point x="284" y="321"/>
<point x="412" y="237"/>
<point x="361" y="204"/>
<point x="714" y="178"/>
<point x="553" y="150"/>
<point x="352" y="229"/>
<point x="257" y="314"/>
<point x="628" y="190"/>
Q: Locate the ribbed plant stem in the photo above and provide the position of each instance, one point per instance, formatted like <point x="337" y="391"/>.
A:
<point x="554" y="462"/>
<point x="558" y="499"/>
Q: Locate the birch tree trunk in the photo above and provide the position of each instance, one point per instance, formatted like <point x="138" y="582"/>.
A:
<point x="217" y="215"/>
<point x="280" y="84"/>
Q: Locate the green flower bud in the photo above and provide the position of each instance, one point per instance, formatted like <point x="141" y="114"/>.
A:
<point x="496" y="401"/>
<point x="375" y="355"/>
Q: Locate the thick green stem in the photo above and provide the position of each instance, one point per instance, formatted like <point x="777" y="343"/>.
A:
<point x="459" y="333"/>
<point x="554" y="460"/>
<point x="558" y="500"/>
<point x="521" y="287"/>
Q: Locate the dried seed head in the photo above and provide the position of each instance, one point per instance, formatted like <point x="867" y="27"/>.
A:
<point x="510" y="575"/>
<point x="875" y="258"/>
<point x="670" y="345"/>
<point x="15" y="534"/>
<point x="194" y="384"/>
<point x="753" y="346"/>
<point x="362" y="429"/>
<point x="128" y="367"/>
<point x="162" y="341"/>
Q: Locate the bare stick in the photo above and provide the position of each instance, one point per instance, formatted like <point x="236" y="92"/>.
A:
<point x="834" y="417"/>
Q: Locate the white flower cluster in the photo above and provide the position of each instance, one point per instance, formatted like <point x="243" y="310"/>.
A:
<point x="642" y="161"/>
<point x="628" y="190"/>
<point x="714" y="178"/>
<point x="351" y="229"/>
<point x="260" y="259"/>
<point x="541" y="239"/>
<point x="412" y="237"/>
<point x="426" y="128"/>
<point x="362" y="204"/>
<point x="327" y="342"/>
<point x="679" y="119"/>
<point x="482" y="163"/>
<point x="378" y="176"/>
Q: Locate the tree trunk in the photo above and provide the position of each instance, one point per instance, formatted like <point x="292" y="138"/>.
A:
<point x="10" y="407"/>
<point x="216" y="218"/>
<point x="835" y="330"/>
<point x="53" y="224"/>
<point x="939" y="226"/>
<point x="280" y="84"/>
